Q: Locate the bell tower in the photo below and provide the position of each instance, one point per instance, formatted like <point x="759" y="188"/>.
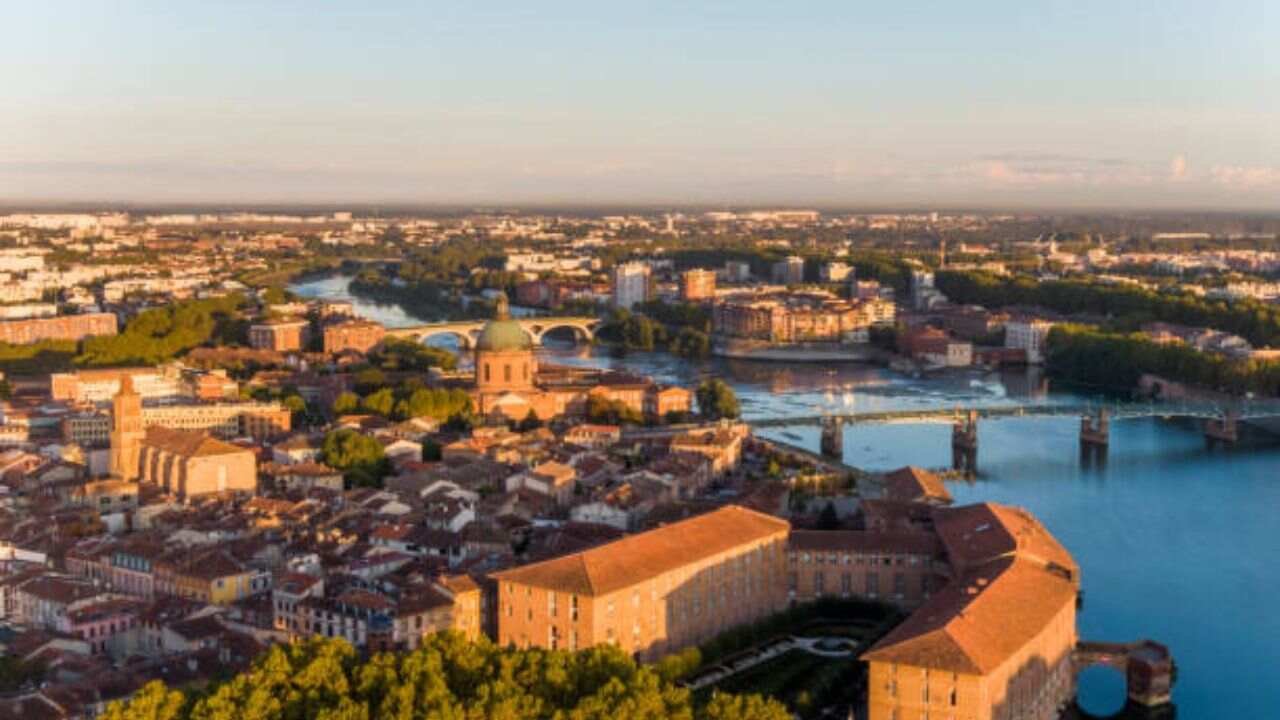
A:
<point x="126" y="430"/>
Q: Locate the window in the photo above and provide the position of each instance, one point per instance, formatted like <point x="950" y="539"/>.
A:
<point x="506" y="372"/>
<point x="551" y="603"/>
<point x="573" y="608"/>
<point x="873" y="584"/>
<point x="487" y="375"/>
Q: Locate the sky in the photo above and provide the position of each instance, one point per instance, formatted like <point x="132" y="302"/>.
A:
<point x="1159" y="104"/>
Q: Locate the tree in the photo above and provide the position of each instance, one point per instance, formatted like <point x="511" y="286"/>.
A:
<point x="380" y="402"/>
<point x="744" y="707"/>
<point x="530" y="422"/>
<point x="717" y="400"/>
<point x="446" y="677"/>
<point x="361" y="458"/>
<point x="346" y="403"/>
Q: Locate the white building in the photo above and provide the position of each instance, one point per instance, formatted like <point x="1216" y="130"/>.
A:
<point x="630" y="284"/>
<point x="1028" y="334"/>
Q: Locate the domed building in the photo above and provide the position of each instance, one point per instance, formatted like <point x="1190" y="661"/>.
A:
<point x="505" y="361"/>
<point x="509" y="383"/>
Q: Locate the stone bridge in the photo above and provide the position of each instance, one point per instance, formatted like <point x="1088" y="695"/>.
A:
<point x="466" y="332"/>
<point x="1147" y="665"/>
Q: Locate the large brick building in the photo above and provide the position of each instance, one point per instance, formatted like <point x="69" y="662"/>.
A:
<point x="62" y="327"/>
<point x="357" y="335"/>
<point x="286" y="335"/>
<point x="996" y="640"/>
<point x="651" y="593"/>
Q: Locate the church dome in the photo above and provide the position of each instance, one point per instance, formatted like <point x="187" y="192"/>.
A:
<point x="502" y="334"/>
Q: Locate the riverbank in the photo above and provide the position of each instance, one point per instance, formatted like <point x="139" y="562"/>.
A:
<point x="799" y="352"/>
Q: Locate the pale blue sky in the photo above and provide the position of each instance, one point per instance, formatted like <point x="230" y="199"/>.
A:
<point x="1145" y="104"/>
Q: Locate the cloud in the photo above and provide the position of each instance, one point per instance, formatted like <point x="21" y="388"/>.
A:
<point x="1178" y="169"/>
<point x="1246" y="176"/>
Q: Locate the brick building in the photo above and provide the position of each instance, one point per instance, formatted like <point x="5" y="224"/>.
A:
<point x="63" y="327"/>
<point x="697" y="284"/>
<point x="357" y="335"/>
<point x="279" y="335"/>
<point x="652" y="593"/>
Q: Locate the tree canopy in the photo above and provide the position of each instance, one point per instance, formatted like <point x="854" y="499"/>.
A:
<point x="447" y="678"/>
<point x="160" y="334"/>
<point x="361" y="458"/>
<point x="717" y="400"/>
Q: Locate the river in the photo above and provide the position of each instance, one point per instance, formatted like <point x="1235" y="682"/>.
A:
<point x="1176" y="542"/>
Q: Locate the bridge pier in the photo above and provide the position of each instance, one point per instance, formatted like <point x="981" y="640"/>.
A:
<point x="1095" y="431"/>
<point x="1148" y="668"/>
<point x="1225" y="430"/>
<point x="964" y="444"/>
<point x="832" y="443"/>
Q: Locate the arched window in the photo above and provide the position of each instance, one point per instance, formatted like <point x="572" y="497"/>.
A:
<point x="487" y="378"/>
<point x="506" y="372"/>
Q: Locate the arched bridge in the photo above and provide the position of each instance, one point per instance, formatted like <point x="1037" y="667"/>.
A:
<point x="1148" y="667"/>
<point x="466" y="332"/>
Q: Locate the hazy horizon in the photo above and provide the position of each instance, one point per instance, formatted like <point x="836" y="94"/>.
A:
<point x="1081" y="106"/>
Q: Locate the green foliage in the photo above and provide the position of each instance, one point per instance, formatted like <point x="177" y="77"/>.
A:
<point x="717" y="400"/>
<point x="1116" y="361"/>
<point x="379" y="402"/>
<point x="161" y="334"/>
<point x="275" y="295"/>
<point x="682" y="328"/>
<point x="346" y="403"/>
<point x="1255" y="321"/>
<point x="439" y="403"/>
<point x="602" y="410"/>
<point x="361" y="458"/>
<point x="692" y="344"/>
<point x="447" y="678"/>
<point x="724" y="706"/>
<point x="39" y="358"/>
<point x="399" y="354"/>
<point x="16" y="673"/>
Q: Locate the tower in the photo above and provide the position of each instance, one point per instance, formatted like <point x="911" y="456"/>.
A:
<point x="126" y="430"/>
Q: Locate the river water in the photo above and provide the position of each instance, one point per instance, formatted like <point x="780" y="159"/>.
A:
<point x="1176" y="542"/>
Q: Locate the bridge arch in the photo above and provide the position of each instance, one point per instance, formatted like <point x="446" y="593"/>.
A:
<point x="583" y="333"/>
<point x="466" y="339"/>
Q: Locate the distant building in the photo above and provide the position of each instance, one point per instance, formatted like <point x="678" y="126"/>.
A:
<point x="789" y="271"/>
<point x="630" y="284"/>
<point x="697" y="284"/>
<point x="836" y="272"/>
<point x="1028" y="334"/>
<point x="63" y="327"/>
<point x="737" y="271"/>
<point x="279" y="335"/>
<point x="358" y="335"/>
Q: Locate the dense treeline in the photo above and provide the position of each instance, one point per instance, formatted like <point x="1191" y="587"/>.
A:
<point x="160" y="334"/>
<point x="448" y="678"/>
<point x="683" y="329"/>
<point x="1255" y="321"/>
<point x="1116" y="361"/>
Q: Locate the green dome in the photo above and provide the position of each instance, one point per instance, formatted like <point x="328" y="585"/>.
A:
<point x="503" y="336"/>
